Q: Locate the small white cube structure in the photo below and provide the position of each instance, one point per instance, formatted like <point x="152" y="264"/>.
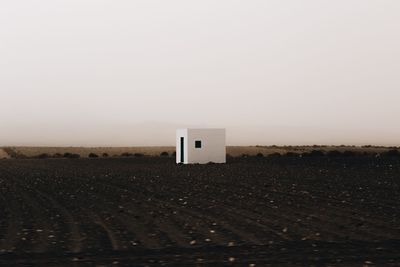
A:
<point x="200" y="146"/>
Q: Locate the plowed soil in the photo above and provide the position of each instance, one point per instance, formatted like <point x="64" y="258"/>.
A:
<point x="149" y="211"/>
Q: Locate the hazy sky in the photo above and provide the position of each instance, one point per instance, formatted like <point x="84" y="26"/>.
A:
<point x="80" y="72"/>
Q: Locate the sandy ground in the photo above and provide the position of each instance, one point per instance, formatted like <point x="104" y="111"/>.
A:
<point x="267" y="150"/>
<point x="3" y="154"/>
<point x="157" y="150"/>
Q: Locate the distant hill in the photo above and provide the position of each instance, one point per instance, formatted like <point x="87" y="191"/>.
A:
<point x="155" y="133"/>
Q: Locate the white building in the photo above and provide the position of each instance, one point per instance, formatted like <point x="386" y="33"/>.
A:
<point x="200" y="146"/>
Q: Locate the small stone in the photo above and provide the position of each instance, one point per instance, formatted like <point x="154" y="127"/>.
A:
<point x="231" y="244"/>
<point x="231" y="259"/>
<point x="193" y="242"/>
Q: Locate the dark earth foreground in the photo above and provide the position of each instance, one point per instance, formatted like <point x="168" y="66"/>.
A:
<point x="282" y="211"/>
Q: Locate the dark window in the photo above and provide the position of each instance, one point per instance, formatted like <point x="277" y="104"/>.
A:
<point x="197" y="144"/>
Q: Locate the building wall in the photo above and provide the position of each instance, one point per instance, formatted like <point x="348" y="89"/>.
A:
<point x="213" y="148"/>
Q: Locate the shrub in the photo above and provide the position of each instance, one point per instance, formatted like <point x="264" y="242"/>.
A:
<point x="126" y="154"/>
<point x="43" y="156"/>
<point x="138" y="155"/>
<point x="71" y="155"/>
<point x="105" y="155"/>
<point x="164" y="154"/>
<point x="57" y="155"/>
<point x="291" y="154"/>
<point x="260" y="155"/>
<point x="93" y="155"/>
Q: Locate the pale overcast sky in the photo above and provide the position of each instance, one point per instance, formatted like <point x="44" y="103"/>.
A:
<point x="121" y="73"/>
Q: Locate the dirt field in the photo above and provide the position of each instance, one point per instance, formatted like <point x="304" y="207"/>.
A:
<point x="149" y="212"/>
